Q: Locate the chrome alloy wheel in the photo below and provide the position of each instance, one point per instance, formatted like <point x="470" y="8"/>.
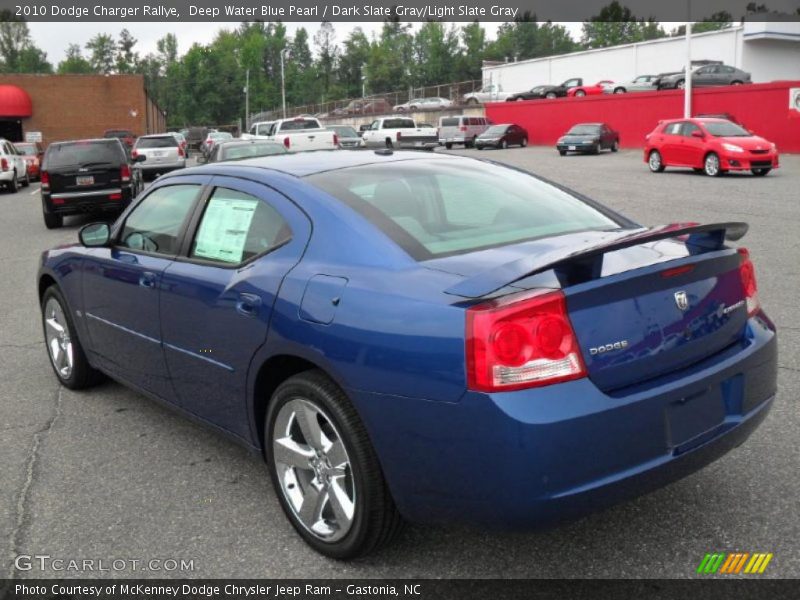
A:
<point x="314" y="470"/>
<point x="712" y="165"/>
<point x="59" y="343"/>
<point x="654" y="161"/>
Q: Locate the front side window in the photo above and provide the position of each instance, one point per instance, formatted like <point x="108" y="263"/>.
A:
<point x="155" y="224"/>
<point x="442" y="207"/>
<point x="688" y="129"/>
<point x="236" y="227"/>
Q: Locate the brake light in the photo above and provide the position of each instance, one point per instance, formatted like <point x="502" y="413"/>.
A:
<point x="4" y="164"/>
<point x="335" y="140"/>
<point x="287" y="142"/>
<point x="399" y="135"/>
<point x="134" y="153"/>
<point x="44" y="179"/>
<point x="180" y="152"/>
<point x="462" y="128"/>
<point x="116" y="196"/>
<point x="747" y="272"/>
<point x="125" y="173"/>
<point x="521" y="341"/>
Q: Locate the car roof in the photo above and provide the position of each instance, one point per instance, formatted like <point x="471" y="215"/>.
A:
<point x="302" y="164"/>
<point x="241" y="142"/>
<point x="84" y="141"/>
<point x="158" y="135"/>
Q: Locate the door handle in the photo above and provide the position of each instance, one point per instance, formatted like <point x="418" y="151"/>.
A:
<point x="248" y="304"/>
<point x="147" y="279"/>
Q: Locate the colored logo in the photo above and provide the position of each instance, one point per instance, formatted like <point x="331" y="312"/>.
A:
<point x="734" y="563"/>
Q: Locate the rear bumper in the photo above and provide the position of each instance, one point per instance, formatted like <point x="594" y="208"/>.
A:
<point x="577" y="147"/>
<point x="417" y="143"/>
<point x="161" y="167"/>
<point x="530" y="458"/>
<point x="95" y="201"/>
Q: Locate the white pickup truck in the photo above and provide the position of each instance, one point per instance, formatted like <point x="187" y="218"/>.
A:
<point x="399" y="132"/>
<point x="299" y="134"/>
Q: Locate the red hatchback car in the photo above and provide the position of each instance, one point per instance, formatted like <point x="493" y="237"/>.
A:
<point x="710" y="146"/>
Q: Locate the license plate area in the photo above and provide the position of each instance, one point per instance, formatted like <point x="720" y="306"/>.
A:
<point x="695" y="414"/>
<point x="84" y="180"/>
<point x="571" y="147"/>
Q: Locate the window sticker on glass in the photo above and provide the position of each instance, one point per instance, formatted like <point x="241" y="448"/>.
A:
<point x="223" y="231"/>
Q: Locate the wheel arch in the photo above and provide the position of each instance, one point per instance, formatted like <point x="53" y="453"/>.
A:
<point x="45" y="281"/>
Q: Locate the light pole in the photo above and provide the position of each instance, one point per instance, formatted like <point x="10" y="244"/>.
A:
<point x="283" y="82"/>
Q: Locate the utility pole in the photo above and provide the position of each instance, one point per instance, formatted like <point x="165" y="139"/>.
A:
<point x="687" y="80"/>
<point x="283" y="83"/>
<point x="247" y="101"/>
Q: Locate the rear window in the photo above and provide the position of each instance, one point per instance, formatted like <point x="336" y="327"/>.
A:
<point x="118" y="133"/>
<point x="343" y="131"/>
<point x="298" y="124"/>
<point x="398" y="124"/>
<point x="437" y="208"/>
<point x="80" y="153"/>
<point x="164" y="141"/>
<point x="27" y="149"/>
<point x="450" y="122"/>
<point x="239" y="152"/>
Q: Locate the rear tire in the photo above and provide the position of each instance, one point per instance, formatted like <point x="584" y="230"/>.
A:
<point x="524" y="142"/>
<point x="27" y="181"/>
<point x="53" y="221"/>
<point x="620" y="90"/>
<point x="615" y="146"/>
<point x="365" y="517"/>
<point x="13" y="185"/>
<point x="504" y="145"/>
<point x="550" y="95"/>
<point x="655" y="162"/>
<point x="472" y="102"/>
<point x="580" y="93"/>
<point x="389" y="144"/>
<point x="449" y="145"/>
<point x="63" y="344"/>
<point x="762" y="171"/>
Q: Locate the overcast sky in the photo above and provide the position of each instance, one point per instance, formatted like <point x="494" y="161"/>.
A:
<point x="54" y="38"/>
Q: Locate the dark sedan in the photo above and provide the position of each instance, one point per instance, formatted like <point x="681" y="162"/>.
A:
<point x="546" y="91"/>
<point x="502" y="136"/>
<point x="588" y="138"/>
<point x="241" y="149"/>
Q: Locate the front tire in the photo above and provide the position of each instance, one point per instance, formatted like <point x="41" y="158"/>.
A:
<point x="550" y="95"/>
<point x="562" y="152"/>
<point x="655" y="162"/>
<point x="680" y="84"/>
<point x="66" y="354"/>
<point x="615" y="146"/>
<point x="472" y="102"/>
<point x="620" y="90"/>
<point x="504" y="145"/>
<point x="762" y="171"/>
<point x="524" y="142"/>
<point x="325" y="471"/>
<point x="580" y="93"/>
<point x="711" y="165"/>
<point x="448" y="145"/>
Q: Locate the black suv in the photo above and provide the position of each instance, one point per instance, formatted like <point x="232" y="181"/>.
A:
<point x="87" y="176"/>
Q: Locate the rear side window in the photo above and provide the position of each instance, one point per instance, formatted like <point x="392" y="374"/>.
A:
<point x="81" y="153"/>
<point x="673" y="129"/>
<point x="236" y="227"/>
<point x="165" y="141"/>
<point x="449" y="122"/>
<point x="442" y="207"/>
<point x="155" y="224"/>
<point x="398" y="124"/>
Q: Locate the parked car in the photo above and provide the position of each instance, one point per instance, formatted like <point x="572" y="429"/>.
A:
<point x="13" y="167"/>
<point x="226" y="150"/>
<point x="213" y="137"/>
<point x="83" y="176"/>
<point x="126" y="135"/>
<point x="182" y="142"/>
<point x="399" y="132"/>
<point x="710" y="146"/>
<point x="588" y="137"/>
<point x="163" y="153"/>
<point x="461" y="129"/>
<point x="481" y="332"/>
<point x="347" y="136"/>
<point x="642" y="83"/>
<point x="33" y="153"/>
<point x="488" y="93"/>
<point x="298" y="134"/>
<point x="195" y="137"/>
<point x="362" y="128"/>
<point x="547" y="91"/>
<point x="705" y="76"/>
<point x="502" y="136"/>
<point x="429" y="104"/>
<point x="364" y="106"/>
<point x="589" y="90"/>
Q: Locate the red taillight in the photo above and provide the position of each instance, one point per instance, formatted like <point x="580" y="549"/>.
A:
<point x="335" y="140"/>
<point x="747" y="272"/>
<point x="44" y="179"/>
<point x="521" y="342"/>
<point x="134" y="153"/>
<point x="57" y="200"/>
<point x="115" y="196"/>
<point x="287" y="142"/>
<point x="675" y="271"/>
<point x="399" y="135"/>
<point x="125" y="173"/>
<point x="462" y="128"/>
<point x="180" y="152"/>
<point x="4" y="164"/>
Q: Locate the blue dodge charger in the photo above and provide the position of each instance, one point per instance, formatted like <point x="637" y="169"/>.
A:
<point x="417" y="337"/>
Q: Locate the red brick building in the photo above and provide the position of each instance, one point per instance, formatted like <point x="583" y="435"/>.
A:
<point x="65" y="107"/>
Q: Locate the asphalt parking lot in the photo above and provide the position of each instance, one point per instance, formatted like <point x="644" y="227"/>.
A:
<point x="109" y="474"/>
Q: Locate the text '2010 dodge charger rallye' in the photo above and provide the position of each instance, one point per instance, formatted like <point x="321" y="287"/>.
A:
<point x="422" y="337"/>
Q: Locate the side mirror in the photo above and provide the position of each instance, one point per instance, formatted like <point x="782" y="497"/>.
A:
<point x="698" y="134"/>
<point x="95" y="235"/>
<point x="140" y="158"/>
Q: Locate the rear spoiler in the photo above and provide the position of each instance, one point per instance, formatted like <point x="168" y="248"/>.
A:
<point x="588" y="257"/>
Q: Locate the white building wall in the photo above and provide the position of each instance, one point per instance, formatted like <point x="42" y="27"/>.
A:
<point x="766" y="58"/>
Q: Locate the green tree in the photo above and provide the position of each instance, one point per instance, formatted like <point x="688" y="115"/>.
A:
<point x="126" y="58"/>
<point x="390" y="62"/>
<point x="74" y="61"/>
<point x="327" y="55"/>
<point x="470" y="56"/>
<point x="102" y="53"/>
<point x="616" y="24"/>
<point x="18" y="54"/>
<point x="352" y="63"/>
<point x="435" y="50"/>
